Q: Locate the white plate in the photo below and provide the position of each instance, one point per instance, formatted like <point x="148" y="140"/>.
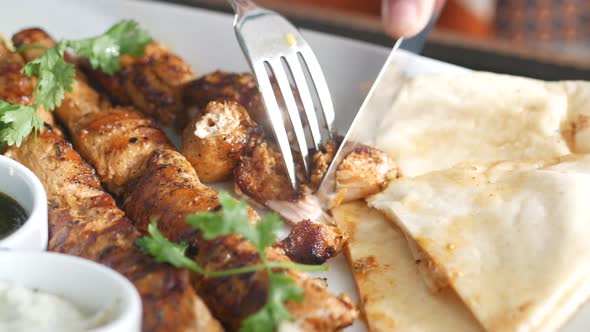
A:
<point x="206" y="40"/>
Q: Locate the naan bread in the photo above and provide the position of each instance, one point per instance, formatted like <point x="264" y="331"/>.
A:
<point x="393" y="296"/>
<point x="577" y="128"/>
<point x="441" y="120"/>
<point x="512" y="238"/>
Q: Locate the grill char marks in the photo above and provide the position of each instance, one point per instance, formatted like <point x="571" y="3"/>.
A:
<point x="166" y="185"/>
<point x="84" y="220"/>
<point x="168" y="190"/>
<point x="242" y="88"/>
<point x="153" y="83"/>
<point x="313" y="243"/>
<point x="261" y="174"/>
<point x="219" y="85"/>
<point x="213" y="142"/>
<point x="117" y="141"/>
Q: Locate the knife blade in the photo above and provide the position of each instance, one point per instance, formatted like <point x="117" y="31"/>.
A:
<point x="380" y="98"/>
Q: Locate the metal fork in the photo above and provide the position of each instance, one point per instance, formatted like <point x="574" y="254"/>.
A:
<point x="270" y="42"/>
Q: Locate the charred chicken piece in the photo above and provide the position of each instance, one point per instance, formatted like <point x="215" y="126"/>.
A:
<point x="84" y="220"/>
<point x="262" y="176"/>
<point x="219" y="85"/>
<point x="15" y="87"/>
<point x="320" y="161"/>
<point x="153" y="83"/>
<point x="241" y="88"/>
<point x="171" y="180"/>
<point x="117" y="141"/>
<point x="214" y="140"/>
<point x="364" y="172"/>
<point x="170" y="184"/>
<point x="168" y="190"/>
<point x="313" y="243"/>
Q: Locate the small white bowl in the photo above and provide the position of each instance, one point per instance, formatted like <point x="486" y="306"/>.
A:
<point x="89" y="286"/>
<point x="20" y="183"/>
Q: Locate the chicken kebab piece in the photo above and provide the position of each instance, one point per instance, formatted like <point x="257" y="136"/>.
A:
<point x="223" y="141"/>
<point x="214" y="142"/>
<point x="153" y="82"/>
<point x="259" y="171"/>
<point x="134" y="159"/>
<point x="220" y="85"/>
<point x="84" y="220"/>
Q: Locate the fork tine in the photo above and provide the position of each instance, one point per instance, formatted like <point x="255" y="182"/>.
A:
<point x="301" y="84"/>
<point x="319" y="81"/>
<point x="276" y="119"/>
<point x="292" y="109"/>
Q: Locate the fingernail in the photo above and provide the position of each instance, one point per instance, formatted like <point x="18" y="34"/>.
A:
<point x="400" y="17"/>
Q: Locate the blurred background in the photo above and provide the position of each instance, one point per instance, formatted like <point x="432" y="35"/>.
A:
<point x="548" y="39"/>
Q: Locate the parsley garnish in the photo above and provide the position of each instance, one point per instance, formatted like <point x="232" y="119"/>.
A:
<point x="56" y="76"/>
<point x="233" y="219"/>
<point x="16" y="120"/>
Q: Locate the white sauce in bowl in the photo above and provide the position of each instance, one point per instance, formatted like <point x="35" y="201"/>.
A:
<point x="28" y="310"/>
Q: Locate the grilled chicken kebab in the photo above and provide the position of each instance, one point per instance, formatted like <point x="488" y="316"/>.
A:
<point x="219" y="85"/>
<point x="225" y="139"/>
<point x="260" y="173"/>
<point x="213" y="142"/>
<point x="313" y="243"/>
<point x="153" y="82"/>
<point x="223" y="135"/>
<point x="161" y="84"/>
<point x="84" y="220"/>
<point x="134" y="159"/>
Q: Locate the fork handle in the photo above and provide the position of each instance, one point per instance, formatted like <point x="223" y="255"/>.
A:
<point x="242" y="6"/>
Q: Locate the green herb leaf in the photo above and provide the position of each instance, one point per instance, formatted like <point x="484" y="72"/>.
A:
<point x="130" y="37"/>
<point x="266" y="231"/>
<point x="125" y="37"/>
<point x="281" y="290"/>
<point x="164" y="250"/>
<point x="261" y="321"/>
<point x="17" y="122"/>
<point x="232" y="219"/>
<point x="102" y="52"/>
<point x="55" y="76"/>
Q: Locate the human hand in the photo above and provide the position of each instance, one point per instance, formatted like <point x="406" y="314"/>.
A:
<point x="406" y="18"/>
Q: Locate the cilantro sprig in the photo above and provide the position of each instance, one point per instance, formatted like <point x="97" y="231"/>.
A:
<point x="56" y="76"/>
<point x="233" y="219"/>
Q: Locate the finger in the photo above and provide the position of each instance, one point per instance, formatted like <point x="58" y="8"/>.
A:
<point x="406" y="18"/>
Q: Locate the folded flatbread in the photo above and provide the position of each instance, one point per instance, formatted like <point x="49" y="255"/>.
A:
<point x="512" y="238"/>
<point x="438" y="121"/>
<point x="393" y="296"/>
